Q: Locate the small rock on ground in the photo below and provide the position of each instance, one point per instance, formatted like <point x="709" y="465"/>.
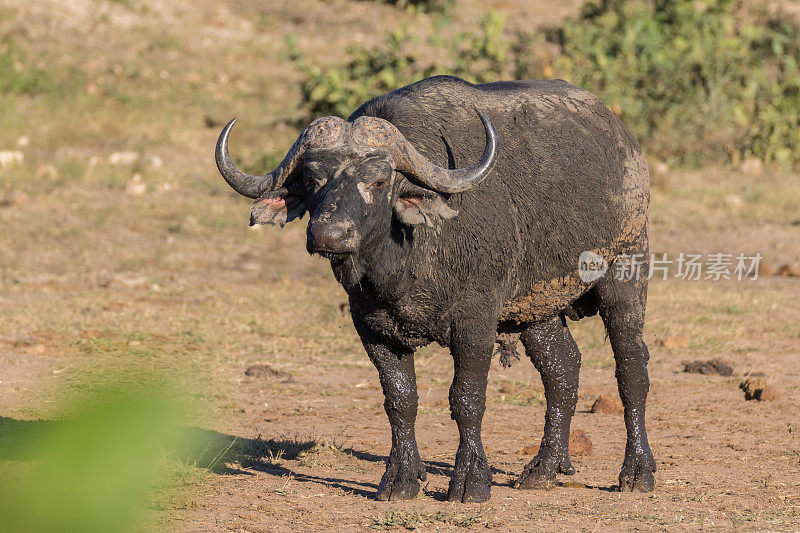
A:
<point x="136" y="186"/>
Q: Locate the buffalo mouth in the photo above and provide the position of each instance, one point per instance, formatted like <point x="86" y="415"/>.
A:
<point x="333" y="256"/>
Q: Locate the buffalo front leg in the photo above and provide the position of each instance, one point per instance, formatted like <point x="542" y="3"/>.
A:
<point x="404" y="467"/>
<point x="622" y="306"/>
<point x="471" y="348"/>
<point x="555" y="355"/>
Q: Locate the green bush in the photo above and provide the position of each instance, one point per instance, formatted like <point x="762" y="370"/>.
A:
<point x="482" y="55"/>
<point x="340" y="90"/>
<point x="697" y="82"/>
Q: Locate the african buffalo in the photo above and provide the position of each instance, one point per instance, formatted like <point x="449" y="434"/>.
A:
<point x="457" y="213"/>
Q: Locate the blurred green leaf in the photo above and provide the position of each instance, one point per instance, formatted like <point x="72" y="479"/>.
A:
<point x="91" y="471"/>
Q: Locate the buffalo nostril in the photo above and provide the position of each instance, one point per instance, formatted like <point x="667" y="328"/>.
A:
<point x="337" y="238"/>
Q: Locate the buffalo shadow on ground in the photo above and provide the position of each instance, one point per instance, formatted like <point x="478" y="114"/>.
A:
<point x="225" y="454"/>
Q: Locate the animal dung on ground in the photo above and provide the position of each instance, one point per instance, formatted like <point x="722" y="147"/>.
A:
<point x="261" y="371"/>
<point x="530" y="449"/>
<point x="15" y="198"/>
<point x="757" y="389"/>
<point x="788" y="270"/>
<point x="579" y="443"/>
<point x="712" y="366"/>
<point x="607" y="404"/>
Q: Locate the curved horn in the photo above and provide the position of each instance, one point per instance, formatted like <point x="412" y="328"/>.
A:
<point x="244" y="184"/>
<point x="321" y="131"/>
<point x="408" y="160"/>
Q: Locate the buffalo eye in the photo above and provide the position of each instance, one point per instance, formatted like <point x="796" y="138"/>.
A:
<point x="380" y="184"/>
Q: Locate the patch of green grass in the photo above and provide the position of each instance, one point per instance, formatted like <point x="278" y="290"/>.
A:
<point x="100" y="345"/>
<point x="596" y="362"/>
<point x="589" y="334"/>
<point x="17" y="77"/>
<point x="414" y="520"/>
<point x="710" y="307"/>
<point x="520" y="393"/>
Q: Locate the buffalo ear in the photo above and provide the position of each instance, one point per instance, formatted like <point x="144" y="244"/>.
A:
<point x="277" y="207"/>
<point x="422" y="209"/>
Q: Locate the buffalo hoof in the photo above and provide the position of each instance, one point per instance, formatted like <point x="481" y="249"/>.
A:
<point x="472" y="479"/>
<point x="637" y="475"/>
<point x="541" y="472"/>
<point x="401" y="480"/>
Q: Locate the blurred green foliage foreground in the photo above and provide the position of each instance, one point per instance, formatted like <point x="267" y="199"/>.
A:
<point x="698" y="82"/>
<point x="98" y="467"/>
<point x="90" y="471"/>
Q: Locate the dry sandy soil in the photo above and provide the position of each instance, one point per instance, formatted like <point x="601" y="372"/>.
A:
<point x="100" y="271"/>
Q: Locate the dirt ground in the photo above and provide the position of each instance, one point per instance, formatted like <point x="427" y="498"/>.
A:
<point x="100" y="270"/>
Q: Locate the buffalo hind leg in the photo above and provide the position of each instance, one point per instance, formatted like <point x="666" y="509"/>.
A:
<point x="622" y="307"/>
<point x="471" y="347"/>
<point x="404" y="468"/>
<point x="555" y="355"/>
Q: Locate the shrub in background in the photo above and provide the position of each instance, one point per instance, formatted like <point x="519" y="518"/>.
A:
<point x="341" y="89"/>
<point x="483" y="54"/>
<point x="697" y="82"/>
<point x="430" y="6"/>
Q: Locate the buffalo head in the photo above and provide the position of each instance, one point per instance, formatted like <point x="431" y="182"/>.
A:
<point x="351" y="176"/>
